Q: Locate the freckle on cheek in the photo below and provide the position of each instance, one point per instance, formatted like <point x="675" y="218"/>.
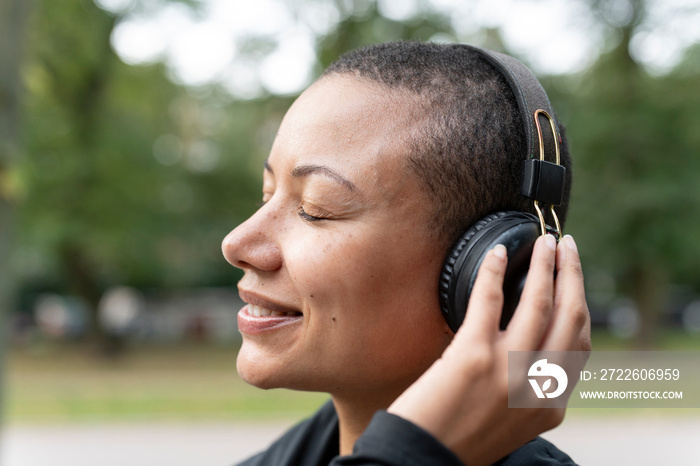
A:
<point x="333" y="318"/>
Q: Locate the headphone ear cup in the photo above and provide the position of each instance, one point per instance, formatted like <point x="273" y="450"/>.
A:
<point x="517" y="231"/>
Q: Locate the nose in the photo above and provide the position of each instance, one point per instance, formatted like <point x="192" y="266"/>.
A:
<point x="252" y="244"/>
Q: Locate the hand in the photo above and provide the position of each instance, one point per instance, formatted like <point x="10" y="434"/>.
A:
<point x="462" y="399"/>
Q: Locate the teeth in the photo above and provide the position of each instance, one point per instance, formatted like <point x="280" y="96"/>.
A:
<point x="258" y="311"/>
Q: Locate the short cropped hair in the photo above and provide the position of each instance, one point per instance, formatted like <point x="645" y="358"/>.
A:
<point x="469" y="150"/>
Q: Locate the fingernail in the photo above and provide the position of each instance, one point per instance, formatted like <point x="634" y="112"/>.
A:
<point x="550" y="242"/>
<point x="570" y="243"/>
<point x="500" y="251"/>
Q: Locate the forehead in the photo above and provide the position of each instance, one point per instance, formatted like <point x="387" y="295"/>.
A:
<point x="357" y="127"/>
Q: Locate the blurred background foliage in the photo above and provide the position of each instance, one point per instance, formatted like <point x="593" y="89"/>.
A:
<point x="117" y="174"/>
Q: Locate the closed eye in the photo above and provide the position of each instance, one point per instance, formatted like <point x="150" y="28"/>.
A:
<point x="309" y="218"/>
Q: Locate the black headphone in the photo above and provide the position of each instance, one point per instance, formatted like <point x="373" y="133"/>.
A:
<point x="542" y="181"/>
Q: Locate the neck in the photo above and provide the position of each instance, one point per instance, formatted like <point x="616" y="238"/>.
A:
<point x="354" y="415"/>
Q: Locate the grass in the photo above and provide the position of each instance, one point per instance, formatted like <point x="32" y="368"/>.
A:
<point x="62" y="383"/>
<point x="669" y="340"/>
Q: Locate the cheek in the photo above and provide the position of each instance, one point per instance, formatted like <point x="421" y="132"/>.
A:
<point x="330" y="268"/>
<point x="365" y="281"/>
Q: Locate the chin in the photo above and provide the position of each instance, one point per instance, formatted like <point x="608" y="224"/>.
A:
<point x="264" y="372"/>
<point x="255" y="373"/>
<point x="268" y="373"/>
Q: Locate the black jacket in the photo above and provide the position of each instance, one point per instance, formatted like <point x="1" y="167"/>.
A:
<point x="388" y="441"/>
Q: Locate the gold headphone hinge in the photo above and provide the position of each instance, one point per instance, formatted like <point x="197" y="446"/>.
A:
<point x="544" y="181"/>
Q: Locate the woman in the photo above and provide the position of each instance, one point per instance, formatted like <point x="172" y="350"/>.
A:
<point x="363" y="192"/>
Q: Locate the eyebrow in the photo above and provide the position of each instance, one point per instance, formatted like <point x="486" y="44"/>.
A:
<point x="305" y="170"/>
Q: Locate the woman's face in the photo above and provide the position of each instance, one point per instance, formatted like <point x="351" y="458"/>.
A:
<point x="341" y="269"/>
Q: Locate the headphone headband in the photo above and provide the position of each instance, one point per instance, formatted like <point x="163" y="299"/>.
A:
<point x="529" y="94"/>
<point x="542" y="181"/>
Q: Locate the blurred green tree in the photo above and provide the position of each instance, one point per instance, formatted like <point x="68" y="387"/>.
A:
<point x="13" y="15"/>
<point x="129" y="179"/>
<point x="362" y="24"/>
<point x="635" y="191"/>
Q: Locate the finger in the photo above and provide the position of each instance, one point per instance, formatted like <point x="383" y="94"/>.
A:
<point x="534" y="311"/>
<point x="486" y="300"/>
<point x="571" y="323"/>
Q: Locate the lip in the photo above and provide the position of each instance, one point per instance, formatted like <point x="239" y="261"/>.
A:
<point x="251" y="325"/>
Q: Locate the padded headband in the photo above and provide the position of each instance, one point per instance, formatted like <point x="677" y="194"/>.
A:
<point x="529" y="95"/>
<point x="542" y="181"/>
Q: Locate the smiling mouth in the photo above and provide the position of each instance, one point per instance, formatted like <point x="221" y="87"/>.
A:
<point x="254" y="320"/>
<point x="258" y="311"/>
